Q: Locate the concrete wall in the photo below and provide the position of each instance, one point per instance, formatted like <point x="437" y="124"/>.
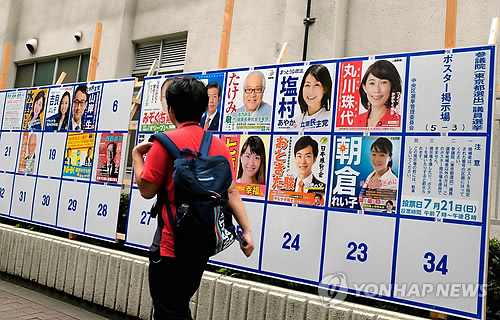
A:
<point x="119" y="281"/>
<point x="260" y="27"/>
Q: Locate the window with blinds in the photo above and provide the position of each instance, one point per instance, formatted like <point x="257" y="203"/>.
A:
<point x="170" y="52"/>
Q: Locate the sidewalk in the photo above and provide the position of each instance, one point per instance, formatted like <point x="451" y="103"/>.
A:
<point x="17" y="302"/>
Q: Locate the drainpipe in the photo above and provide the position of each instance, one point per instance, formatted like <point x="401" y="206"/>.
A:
<point x="307" y="21"/>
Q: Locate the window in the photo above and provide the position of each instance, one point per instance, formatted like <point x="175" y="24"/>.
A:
<point x="170" y="52"/>
<point x="46" y="72"/>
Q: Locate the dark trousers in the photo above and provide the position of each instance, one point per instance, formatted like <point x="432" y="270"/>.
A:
<point x="172" y="283"/>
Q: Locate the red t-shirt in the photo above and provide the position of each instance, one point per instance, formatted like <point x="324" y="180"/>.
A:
<point x="187" y="135"/>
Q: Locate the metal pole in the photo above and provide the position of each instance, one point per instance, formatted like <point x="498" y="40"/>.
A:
<point x="307" y="21"/>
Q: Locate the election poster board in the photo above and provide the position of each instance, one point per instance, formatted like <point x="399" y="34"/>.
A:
<point x="377" y="175"/>
<point x="49" y="138"/>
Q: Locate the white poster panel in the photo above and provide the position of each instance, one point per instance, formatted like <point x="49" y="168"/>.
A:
<point x="292" y="241"/>
<point x="2" y="103"/>
<point x="9" y="143"/>
<point x="363" y="256"/>
<point x="140" y="226"/>
<point x="304" y="98"/>
<point x="443" y="177"/>
<point x="72" y="205"/>
<point x="6" y="186"/>
<point x="102" y="211"/>
<point x="233" y="255"/>
<point x="248" y="104"/>
<point x="115" y="105"/>
<point x="45" y="204"/>
<point x="52" y="155"/>
<point x="13" y="110"/>
<point x="449" y="92"/>
<point x="435" y="270"/>
<point x="22" y="198"/>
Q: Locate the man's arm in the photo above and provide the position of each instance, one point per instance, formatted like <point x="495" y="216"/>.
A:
<point x="240" y="214"/>
<point x="148" y="190"/>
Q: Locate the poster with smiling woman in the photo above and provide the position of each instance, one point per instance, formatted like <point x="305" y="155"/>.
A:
<point x="370" y="95"/>
<point x="366" y="173"/>
<point x="34" y="110"/>
<point x="249" y="163"/>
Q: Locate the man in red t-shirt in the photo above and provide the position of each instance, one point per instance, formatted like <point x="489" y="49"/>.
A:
<point x="173" y="280"/>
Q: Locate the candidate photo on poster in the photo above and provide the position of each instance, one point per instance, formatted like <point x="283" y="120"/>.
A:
<point x="306" y="153"/>
<point x="35" y="110"/>
<point x="27" y="158"/>
<point x="252" y="166"/>
<point x="80" y="102"/>
<point x="380" y="93"/>
<point x="248" y="104"/>
<point x="314" y="98"/>
<point x="58" y="119"/>
<point x="210" y="120"/>
<point x="365" y="172"/>
<point x="109" y="158"/>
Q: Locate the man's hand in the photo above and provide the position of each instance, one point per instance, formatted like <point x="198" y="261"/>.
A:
<point x="248" y="249"/>
<point x="142" y="148"/>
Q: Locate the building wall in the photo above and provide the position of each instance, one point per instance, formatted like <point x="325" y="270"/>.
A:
<point x="259" y="29"/>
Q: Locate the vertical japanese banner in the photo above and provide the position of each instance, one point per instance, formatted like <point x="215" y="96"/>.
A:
<point x="58" y="109"/>
<point x="34" y="109"/>
<point x="365" y="174"/>
<point x="153" y="118"/>
<point x="77" y="149"/>
<point x="299" y="169"/>
<point x="459" y="101"/>
<point x="110" y="153"/>
<point x="370" y="95"/>
<point x="13" y="110"/>
<point x="304" y="98"/>
<point x="28" y="154"/>
<point x="89" y="117"/>
<point x="248" y="104"/>
<point x="443" y="177"/>
<point x="250" y="154"/>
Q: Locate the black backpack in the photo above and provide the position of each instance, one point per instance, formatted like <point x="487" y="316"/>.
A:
<point x="202" y="225"/>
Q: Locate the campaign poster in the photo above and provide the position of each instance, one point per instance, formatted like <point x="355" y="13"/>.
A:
<point x="248" y="104"/>
<point x="299" y="169"/>
<point x="304" y="98"/>
<point x="370" y="95"/>
<point x="78" y="148"/>
<point x="58" y="109"/>
<point x="443" y="177"/>
<point x="28" y="154"/>
<point x="89" y="117"/>
<point x="110" y="153"/>
<point x="449" y="91"/>
<point x="249" y="163"/>
<point x="153" y="118"/>
<point x="34" y="109"/>
<point x="365" y="174"/>
<point x="210" y="121"/>
<point x="13" y="110"/>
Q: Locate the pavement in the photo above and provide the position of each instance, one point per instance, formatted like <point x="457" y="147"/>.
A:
<point x="20" y="299"/>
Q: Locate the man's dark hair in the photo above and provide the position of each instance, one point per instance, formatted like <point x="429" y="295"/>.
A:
<point x="389" y="202"/>
<point x="303" y="143"/>
<point x="188" y="97"/>
<point x="83" y="89"/>
<point x="318" y="195"/>
<point x="214" y="84"/>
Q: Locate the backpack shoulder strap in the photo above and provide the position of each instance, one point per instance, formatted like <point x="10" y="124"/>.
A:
<point x="205" y="143"/>
<point x="167" y="144"/>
